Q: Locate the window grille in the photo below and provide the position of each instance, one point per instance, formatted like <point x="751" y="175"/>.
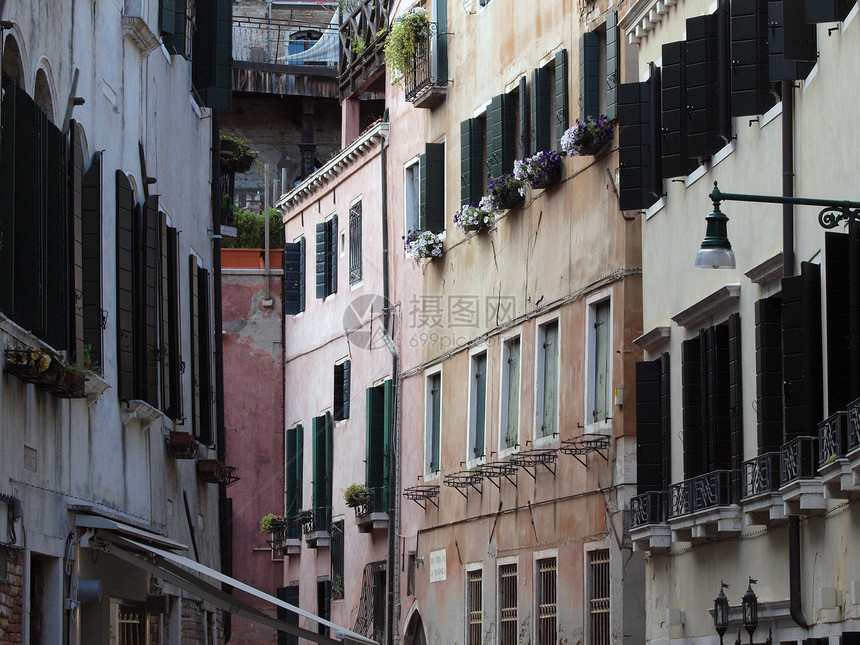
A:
<point x="546" y="606"/>
<point x="474" y="601"/>
<point x="336" y="549"/>
<point x="355" y="243"/>
<point x="598" y="596"/>
<point x="127" y="625"/>
<point x="508" y="604"/>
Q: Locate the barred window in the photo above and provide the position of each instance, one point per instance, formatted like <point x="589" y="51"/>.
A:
<point x="546" y="605"/>
<point x="355" y="243"/>
<point x="337" y="552"/>
<point x="474" y="601"/>
<point x="508" y="604"/>
<point x="598" y="596"/>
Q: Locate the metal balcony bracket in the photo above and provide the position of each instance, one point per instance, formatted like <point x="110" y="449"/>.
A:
<point x="423" y="494"/>
<point x="581" y="446"/>
<point x="534" y="458"/>
<point x="465" y="479"/>
<point x="496" y="470"/>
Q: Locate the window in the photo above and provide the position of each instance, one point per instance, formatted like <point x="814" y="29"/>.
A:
<point x="355" y="243"/>
<point x="546" y="421"/>
<point x="508" y="604"/>
<point x="411" y="193"/>
<point x="545" y="600"/>
<point x="322" y="482"/>
<point x="176" y="24"/>
<point x="337" y="551"/>
<point x="212" y="57"/>
<point x="509" y="435"/>
<point x="472" y="162"/>
<point x="432" y="422"/>
<point x="474" y="604"/>
<point x="410" y="573"/>
<point x="598" y="597"/>
<point x="380" y="402"/>
<point x="88" y="280"/>
<point x="327" y="257"/>
<point x="294" y="471"/>
<point x="431" y="207"/>
<point x="341" y="390"/>
<point x="127" y="623"/>
<point x="201" y="338"/>
<point x="599" y="389"/>
<point x="477" y="406"/>
<point x="324" y="590"/>
<point x="294" y="277"/>
<point x="598" y="70"/>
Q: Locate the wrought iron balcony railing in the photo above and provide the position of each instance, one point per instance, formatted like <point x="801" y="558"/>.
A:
<point x="832" y="438"/>
<point x="854" y="425"/>
<point x="376" y="503"/>
<point x="798" y="459"/>
<point x="702" y="492"/>
<point x="761" y="474"/>
<point x="267" y="40"/>
<point x="320" y="520"/>
<point x="648" y="508"/>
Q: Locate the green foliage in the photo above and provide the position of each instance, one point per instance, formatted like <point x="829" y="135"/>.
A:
<point x="407" y="33"/>
<point x="356" y="495"/>
<point x="271" y="523"/>
<point x="251" y="230"/>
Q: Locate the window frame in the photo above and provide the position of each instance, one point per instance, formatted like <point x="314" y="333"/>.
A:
<point x="411" y="169"/>
<point x="468" y="570"/>
<point x="504" y="394"/>
<point x="537" y="558"/>
<point x="473" y="400"/>
<point x="356" y="262"/>
<point x="507" y="562"/>
<point x="430" y="475"/>
<point x="539" y="390"/>
<point x="605" y="425"/>
<point x="588" y="587"/>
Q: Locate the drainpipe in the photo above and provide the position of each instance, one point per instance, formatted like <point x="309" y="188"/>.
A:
<point x="794" y="571"/>
<point x="268" y="292"/>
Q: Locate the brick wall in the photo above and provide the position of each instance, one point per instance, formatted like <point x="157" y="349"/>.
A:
<point x="11" y="599"/>
<point x="192" y="621"/>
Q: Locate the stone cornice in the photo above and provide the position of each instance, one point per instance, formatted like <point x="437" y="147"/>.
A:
<point x="643" y="18"/>
<point x="651" y="340"/>
<point x="766" y="272"/>
<point x="723" y="298"/>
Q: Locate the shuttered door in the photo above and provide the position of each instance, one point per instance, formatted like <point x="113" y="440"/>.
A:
<point x="302" y="273"/>
<point x="375" y="437"/>
<point x="589" y="75"/>
<point x="319" y="472"/>
<point x="332" y="253"/>
<point x="293" y="261"/>
<point x="691" y="393"/>
<point x="7" y="196"/>
<point x="736" y="418"/>
<point x="801" y="347"/>
<point x="666" y="418"/>
<point x="561" y="101"/>
<point x="56" y="306"/>
<point x="76" y="180"/>
<point x="174" y="408"/>
<point x="322" y="263"/>
<point x="673" y="95"/>
<point x="838" y="321"/>
<point x="149" y="264"/>
<point x="125" y="286"/>
<point x="750" y="82"/>
<point x="193" y="289"/>
<point x="613" y="64"/>
<point x="91" y="261"/>
<point x="702" y="80"/>
<point x="471" y="161"/>
<point x="638" y="144"/>
<point x="523" y="117"/>
<point x="768" y="350"/>
<point x="817" y="11"/>
<point x="289" y="595"/>
<point x="715" y="398"/>
<point x="792" y="44"/>
<point x="432" y="171"/>
<point x="649" y="429"/>
<point x="212" y="59"/>
<point x="541" y="104"/>
<point x="205" y="341"/>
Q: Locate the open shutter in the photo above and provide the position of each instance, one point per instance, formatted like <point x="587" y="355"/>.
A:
<point x="589" y="75"/>
<point x="57" y="294"/>
<point x="166" y="271"/>
<point x="125" y="287"/>
<point x="76" y="181"/>
<point x="332" y="253"/>
<point x="319" y="470"/>
<point x="174" y="39"/>
<point x="212" y="61"/>
<point x="322" y="263"/>
<point x="649" y="428"/>
<point x="561" y="101"/>
<point x="638" y="153"/>
<point x="205" y="340"/>
<point x="91" y="261"/>
<point x="792" y="44"/>
<point x="193" y="287"/>
<point x="150" y="259"/>
<point x="471" y="161"/>
<point x="439" y="40"/>
<point x="347" y="369"/>
<point x="691" y="395"/>
<point x="838" y="321"/>
<point x="816" y="11"/>
<point x="715" y="398"/>
<point x="329" y="470"/>
<point x="666" y="418"/>
<point x="388" y="429"/>
<point x="703" y="86"/>
<point x="422" y="191"/>
<point x="801" y="347"/>
<point x="174" y="353"/>
<point x="167" y="17"/>
<point x="293" y="260"/>
<point x="289" y="595"/>
<point x="673" y="96"/>
<point x="750" y="82"/>
<point x="7" y="196"/>
<point x="523" y="113"/>
<point x="302" y="273"/>
<point x="338" y="392"/>
<point x="480" y="405"/>
<point x="736" y="417"/>
<point x="541" y="104"/>
<point x="768" y="350"/>
<point x="432" y="171"/>
<point x="494" y="137"/>
<point x="375" y="437"/>
<point x="613" y="64"/>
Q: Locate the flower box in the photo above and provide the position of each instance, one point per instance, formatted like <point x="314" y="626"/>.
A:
<point x="46" y="372"/>
<point x="181" y="445"/>
<point x="503" y="193"/>
<point x="474" y="217"/>
<point x="423" y="244"/>
<point x="540" y="170"/>
<point x="588" y="138"/>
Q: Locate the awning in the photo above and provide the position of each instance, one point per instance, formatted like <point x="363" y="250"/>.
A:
<point x="185" y="573"/>
<point x="98" y="522"/>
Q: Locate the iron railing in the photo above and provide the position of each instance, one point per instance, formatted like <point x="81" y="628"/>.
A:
<point x="419" y="74"/>
<point x="370" y="618"/>
<point x="705" y="491"/>
<point x="832" y="438"/>
<point x="798" y="459"/>
<point x="648" y="508"/>
<point x="320" y="520"/>
<point x="853" y="425"/>
<point x="377" y="502"/>
<point x="362" y="37"/>
<point x="262" y="40"/>
<point x="761" y="474"/>
<point x="355" y="256"/>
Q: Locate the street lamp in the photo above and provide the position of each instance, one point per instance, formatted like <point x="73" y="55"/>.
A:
<point x="721" y="612"/>
<point x="749" y="603"/>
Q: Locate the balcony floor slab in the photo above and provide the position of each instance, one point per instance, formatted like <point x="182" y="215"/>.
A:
<point x="708" y="523"/>
<point x="803" y="495"/>
<point x="656" y="538"/>
<point x="839" y="479"/>
<point x="371" y="522"/>
<point x="763" y="509"/>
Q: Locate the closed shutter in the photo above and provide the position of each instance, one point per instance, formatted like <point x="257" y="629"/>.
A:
<point x="422" y="191"/>
<point x="666" y="418"/>
<point x="57" y="300"/>
<point x="768" y="351"/>
<point x="613" y="64"/>
<point x="125" y="287"/>
<point x="435" y="429"/>
<point x="388" y="429"/>
<point x="212" y="60"/>
<point x="319" y="471"/>
<point x="471" y="161"/>
<point x="205" y="340"/>
<point x="148" y="291"/>
<point x="322" y="263"/>
<point x="7" y="196"/>
<point x="295" y="459"/>
<point x="838" y="321"/>
<point x="715" y="398"/>
<point x="649" y="428"/>
<point x="347" y="369"/>
<point x="166" y="354"/>
<point x="750" y="82"/>
<point x="792" y="44"/>
<point x="76" y="181"/>
<point x="638" y="142"/>
<point x="589" y="75"/>
<point x="375" y="437"/>
<point x="167" y="17"/>
<point x="193" y="287"/>
<point x="801" y="347"/>
<point x="439" y="47"/>
<point x="816" y="11"/>
<point x="174" y="40"/>
<point x="432" y="170"/>
<point x="329" y="469"/>
<point x="293" y="264"/>
<point x="561" y="100"/>
<point x="736" y="416"/>
<point x="339" y="391"/>
<point x="501" y="135"/>
<point x="302" y="273"/>
<point x="480" y="394"/>
<point x="691" y="395"/>
<point x="673" y="96"/>
<point x="289" y="595"/>
<point x="174" y="408"/>
<point x="91" y="261"/>
<point x="703" y="86"/>
<point x="332" y="253"/>
<point x="541" y="104"/>
<point x="523" y="115"/>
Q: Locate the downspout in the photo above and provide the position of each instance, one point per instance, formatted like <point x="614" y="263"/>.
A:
<point x="794" y="571"/>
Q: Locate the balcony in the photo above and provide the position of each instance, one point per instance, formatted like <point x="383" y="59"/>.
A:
<point x="648" y="527"/>
<point x="373" y="516"/>
<point x="424" y="83"/>
<point x="800" y="486"/>
<point x="704" y="507"/>
<point x="760" y="498"/>
<point x="317" y="527"/>
<point x="833" y="464"/>
<point x="854" y="438"/>
<point x="361" y="67"/>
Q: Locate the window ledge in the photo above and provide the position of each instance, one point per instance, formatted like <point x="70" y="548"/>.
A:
<point x="538" y="442"/>
<point x="507" y="452"/>
<point x="723" y="152"/>
<point x="654" y="339"/>
<point x="377" y="521"/>
<point x="771" y="114"/>
<point x="432" y="477"/>
<point x="696" y="175"/>
<point x="139" y="409"/>
<point x="655" y="208"/>
<point x="838" y="479"/>
<point x="717" y="521"/>
<point x="721" y="300"/>
<point x="656" y="538"/>
<point x="803" y="495"/>
<point x="94" y="386"/>
<point x="766" y="272"/>
<point x="139" y="33"/>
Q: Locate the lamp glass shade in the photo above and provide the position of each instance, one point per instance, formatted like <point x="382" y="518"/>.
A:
<point x="721" y="613"/>
<point x="750" y="610"/>
<point x="715" y="258"/>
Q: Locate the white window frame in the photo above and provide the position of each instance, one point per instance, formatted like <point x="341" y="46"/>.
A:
<point x="500" y="562"/>
<point x="590" y="426"/>
<point x="504" y="395"/>
<point x="602" y="545"/>
<point x="341" y="361"/>
<point x="467" y="569"/>
<point x="435" y="474"/>
<point x="348" y="235"/>
<point x="540" y="334"/>
<point x="471" y="434"/>
<point x="536" y="556"/>
<point x="411" y="168"/>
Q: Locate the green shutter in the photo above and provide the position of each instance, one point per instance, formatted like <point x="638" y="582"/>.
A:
<point x="322" y="263"/>
<point x="211" y="63"/>
<point x="302" y="273"/>
<point x="523" y="109"/>
<point x="345" y="386"/>
<point x="422" y="191"/>
<point x="293" y="264"/>
<point x="375" y="437"/>
<point x="494" y="138"/>
<point x="148" y="291"/>
<point x="295" y="462"/>
<point x="433" y="187"/>
<point x="91" y="261"/>
<point x="167" y="17"/>
<point x="337" y="408"/>
<point x="549" y="421"/>
<point x="332" y="253"/>
<point x="175" y="40"/>
<point x="480" y="394"/>
<point x="613" y="64"/>
<point x="541" y="104"/>
<point x="589" y="75"/>
<point x="561" y="101"/>
<point x="76" y="180"/>
<point x="329" y="471"/>
<point x="440" y="42"/>
<point x="174" y="354"/>
<point x="319" y="470"/>
<point x="205" y="343"/>
<point x="387" y="438"/>
<point x="57" y="298"/>
<point x="193" y="287"/>
<point x="125" y="287"/>
<point x="471" y="161"/>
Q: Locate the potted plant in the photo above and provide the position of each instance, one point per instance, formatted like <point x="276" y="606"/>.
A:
<point x="29" y="365"/>
<point x="272" y="523"/>
<point x="474" y="217"/>
<point x="337" y="587"/>
<point x="588" y="138"/>
<point x="539" y="170"/>
<point x="504" y="192"/>
<point x="304" y="516"/>
<point x="408" y="33"/>
<point x="236" y="156"/>
<point x="423" y="244"/>
<point x="356" y="495"/>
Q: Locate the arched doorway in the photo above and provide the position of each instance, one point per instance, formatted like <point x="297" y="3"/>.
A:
<point x="415" y="631"/>
<point x="12" y="61"/>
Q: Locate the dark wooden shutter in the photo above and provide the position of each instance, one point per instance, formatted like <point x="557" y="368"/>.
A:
<point x="193" y="287"/>
<point x="561" y="101"/>
<point x="613" y="64"/>
<point x="346" y="377"/>
<point x="589" y="75"/>
<point x="801" y="348"/>
<point x="792" y="44"/>
<point x="57" y="299"/>
<point x="289" y="595"/>
<point x="432" y="169"/>
<point x="375" y="437"/>
<point x="523" y="113"/>
<point x="91" y="261"/>
<point x="750" y="82"/>
<point x="768" y="351"/>
<point x="205" y="340"/>
<point x="355" y="233"/>
<point x="212" y="60"/>
<point x="302" y="273"/>
<point x="715" y="398"/>
<point x="125" y="287"/>
<point x="736" y="417"/>
<point x="838" y="321"/>
<point x="422" y="191"/>
<point x="329" y="469"/>
<point x="322" y="263"/>
<point x="293" y="261"/>
<point x="174" y="40"/>
<point x="76" y="180"/>
<point x="691" y="394"/>
<point x="165" y="274"/>
<point x="337" y="408"/>
<point x="501" y="135"/>
<point x="7" y="195"/>
<point x="332" y="253"/>
<point x="174" y="408"/>
<point x="471" y="161"/>
<point x="319" y="460"/>
<point x="675" y="160"/>
<point x="638" y="143"/>
<point x="541" y="104"/>
<point x="167" y="16"/>
<point x="666" y="418"/>
<point x="816" y="11"/>
<point x="649" y="427"/>
<point x="388" y="426"/>
<point x="702" y="86"/>
<point x="440" y="43"/>
<point x="148" y="292"/>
